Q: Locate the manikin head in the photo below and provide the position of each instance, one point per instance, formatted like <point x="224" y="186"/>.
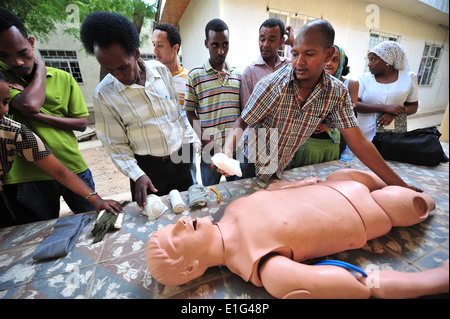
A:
<point x="180" y="252"/>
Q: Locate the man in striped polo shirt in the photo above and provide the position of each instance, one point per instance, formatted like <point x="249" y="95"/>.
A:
<point x="212" y="97"/>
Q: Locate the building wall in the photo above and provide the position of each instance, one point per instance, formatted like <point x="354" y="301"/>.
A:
<point x="352" y="33"/>
<point x="192" y="30"/>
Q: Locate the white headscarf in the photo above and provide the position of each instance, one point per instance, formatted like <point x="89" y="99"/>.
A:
<point x="392" y="53"/>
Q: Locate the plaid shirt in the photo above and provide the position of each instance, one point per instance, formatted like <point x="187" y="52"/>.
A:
<point x="16" y="137"/>
<point x="274" y="109"/>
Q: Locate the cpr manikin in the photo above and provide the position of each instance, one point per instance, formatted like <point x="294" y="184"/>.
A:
<point x="264" y="237"/>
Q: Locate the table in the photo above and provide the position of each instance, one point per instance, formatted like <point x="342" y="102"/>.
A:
<point x="115" y="267"/>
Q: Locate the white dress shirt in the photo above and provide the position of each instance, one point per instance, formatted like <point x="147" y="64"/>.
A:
<point x="133" y="119"/>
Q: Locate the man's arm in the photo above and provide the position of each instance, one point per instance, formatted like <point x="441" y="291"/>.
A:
<point x="111" y="132"/>
<point x="369" y="156"/>
<point x="66" y="177"/>
<point x="65" y="123"/>
<point x="31" y="98"/>
<point x="285" y="278"/>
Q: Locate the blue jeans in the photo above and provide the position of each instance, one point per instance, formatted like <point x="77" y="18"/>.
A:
<point x="209" y="176"/>
<point x="42" y="198"/>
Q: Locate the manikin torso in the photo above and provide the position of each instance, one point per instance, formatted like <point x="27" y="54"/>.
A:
<point x="254" y="229"/>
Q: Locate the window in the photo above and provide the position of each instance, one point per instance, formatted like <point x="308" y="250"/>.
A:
<point x="429" y="64"/>
<point x="295" y="20"/>
<point x="152" y="56"/>
<point x="148" y="56"/>
<point x="63" y="60"/>
<point x="377" y="37"/>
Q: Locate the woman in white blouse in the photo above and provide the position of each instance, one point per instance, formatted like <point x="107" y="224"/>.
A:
<point x="388" y="93"/>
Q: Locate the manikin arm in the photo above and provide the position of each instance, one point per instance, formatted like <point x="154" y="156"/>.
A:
<point x="394" y="284"/>
<point x="285" y="278"/>
<point x="304" y="182"/>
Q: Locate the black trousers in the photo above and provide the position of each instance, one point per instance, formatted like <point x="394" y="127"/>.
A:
<point x="166" y="175"/>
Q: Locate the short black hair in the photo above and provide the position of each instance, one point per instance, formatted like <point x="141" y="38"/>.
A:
<point x="346" y="68"/>
<point x="2" y="77"/>
<point x="173" y="35"/>
<point x="9" y="20"/>
<point x="324" y="27"/>
<point x="106" y="28"/>
<point x="216" y="25"/>
<point x="274" y="22"/>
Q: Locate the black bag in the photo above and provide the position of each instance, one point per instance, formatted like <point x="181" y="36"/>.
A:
<point x="418" y="147"/>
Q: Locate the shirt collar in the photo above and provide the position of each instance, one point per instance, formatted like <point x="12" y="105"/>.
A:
<point x="209" y="68"/>
<point x="260" y="61"/>
<point x="322" y="80"/>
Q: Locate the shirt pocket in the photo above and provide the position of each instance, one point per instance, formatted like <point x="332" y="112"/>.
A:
<point x="306" y="123"/>
<point x="165" y="103"/>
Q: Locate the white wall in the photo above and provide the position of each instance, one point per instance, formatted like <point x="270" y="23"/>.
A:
<point x="192" y="30"/>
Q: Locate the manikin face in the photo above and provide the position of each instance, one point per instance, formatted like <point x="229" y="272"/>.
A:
<point x="164" y="52"/>
<point x="269" y="41"/>
<point x="188" y="237"/>
<point x="333" y="64"/>
<point x="309" y="56"/>
<point x="217" y="44"/>
<point x="121" y="65"/>
<point x="16" y="51"/>
<point x="4" y="98"/>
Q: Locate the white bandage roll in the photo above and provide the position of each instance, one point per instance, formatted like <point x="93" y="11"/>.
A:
<point x="154" y="207"/>
<point x="119" y="220"/>
<point x="178" y="205"/>
<point x="229" y="165"/>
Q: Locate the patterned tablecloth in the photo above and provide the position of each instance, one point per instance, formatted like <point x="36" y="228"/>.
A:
<point x="115" y="267"/>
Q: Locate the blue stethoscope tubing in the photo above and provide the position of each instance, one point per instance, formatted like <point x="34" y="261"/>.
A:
<point x="342" y="264"/>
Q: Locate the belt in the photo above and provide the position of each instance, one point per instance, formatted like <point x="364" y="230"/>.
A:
<point x="157" y="158"/>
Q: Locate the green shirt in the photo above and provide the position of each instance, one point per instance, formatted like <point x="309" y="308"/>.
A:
<point x="64" y="99"/>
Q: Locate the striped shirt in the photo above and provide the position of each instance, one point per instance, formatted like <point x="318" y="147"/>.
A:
<point x="215" y="99"/>
<point x="274" y="109"/>
<point x="16" y="137"/>
<point x="135" y="119"/>
<point x="179" y="78"/>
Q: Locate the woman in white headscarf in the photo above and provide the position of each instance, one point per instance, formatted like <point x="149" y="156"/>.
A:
<point x="388" y="93"/>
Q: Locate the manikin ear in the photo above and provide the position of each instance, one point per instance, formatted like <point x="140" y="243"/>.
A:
<point x="191" y="269"/>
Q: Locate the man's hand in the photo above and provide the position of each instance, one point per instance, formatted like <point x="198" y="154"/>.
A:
<point x="109" y="205"/>
<point x="142" y="184"/>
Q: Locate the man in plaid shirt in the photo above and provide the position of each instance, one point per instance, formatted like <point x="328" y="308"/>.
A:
<point x="287" y="106"/>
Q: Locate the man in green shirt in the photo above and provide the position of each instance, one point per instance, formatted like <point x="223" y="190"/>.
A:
<point x="49" y="102"/>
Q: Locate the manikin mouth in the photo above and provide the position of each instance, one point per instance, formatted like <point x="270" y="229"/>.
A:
<point x="194" y="224"/>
